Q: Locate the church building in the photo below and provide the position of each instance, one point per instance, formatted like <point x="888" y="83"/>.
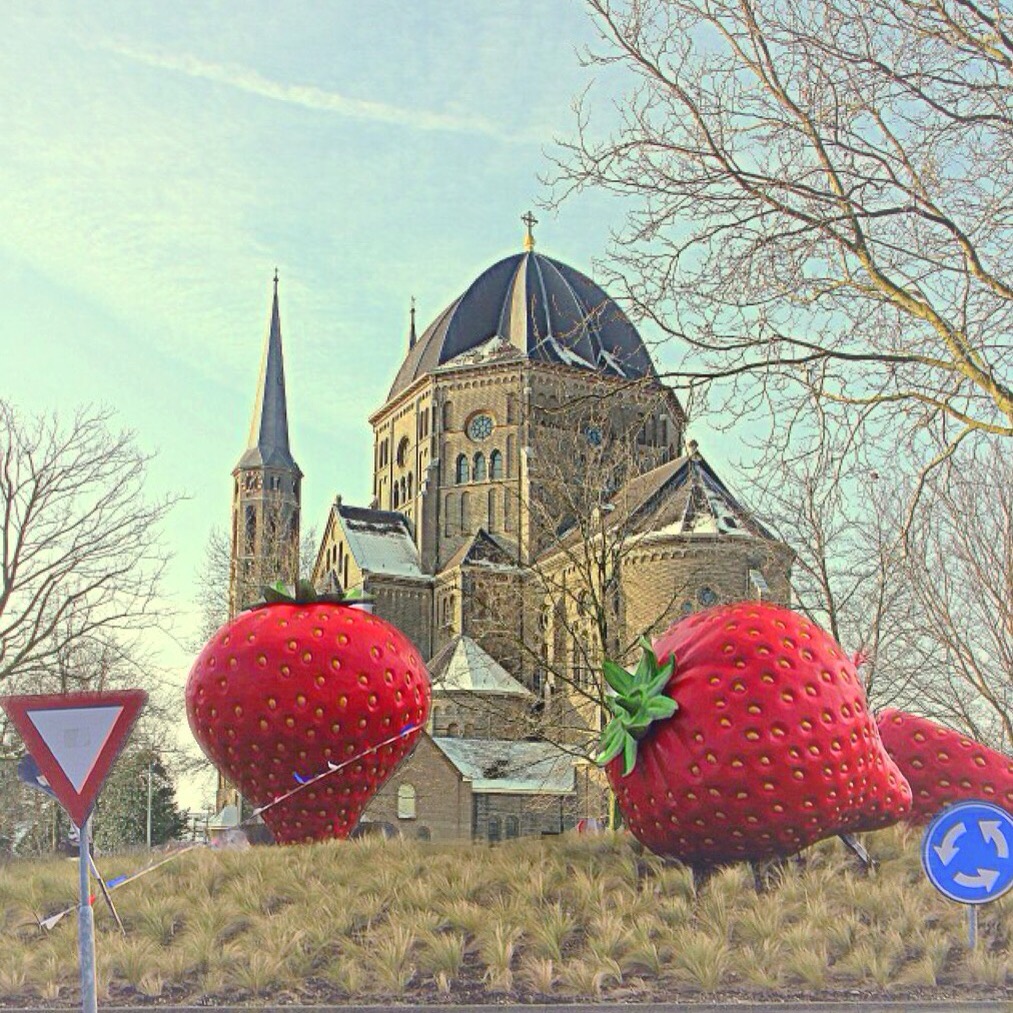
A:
<point x="535" y="507"/>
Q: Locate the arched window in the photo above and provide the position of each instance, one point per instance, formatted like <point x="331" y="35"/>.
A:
<point x="397" y="495"/>
<point x="251" y="528"/>
<point x="402" y="452"/>
<point x="448" y="415"/>
<point x="344" y="582"/>
<point x="406" y="802"/>
<point x="510" y="455"/>
<point x="513" y="827"/>
<point x="495" y="465"/>
<point x="464" y="511"/>
<point x="478" y="472"/>
<point x="461" y="474"/>
<point x="408" y="487"/>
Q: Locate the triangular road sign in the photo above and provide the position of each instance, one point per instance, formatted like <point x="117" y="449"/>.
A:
<point x="75" y="738"/>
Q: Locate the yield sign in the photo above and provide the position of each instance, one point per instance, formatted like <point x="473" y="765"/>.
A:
<point x="74" y="738"/>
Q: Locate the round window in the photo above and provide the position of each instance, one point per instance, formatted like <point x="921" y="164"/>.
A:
<point x="480" y="427"/>
<point x="707" y="596"/>
<point x="593" y="435"/>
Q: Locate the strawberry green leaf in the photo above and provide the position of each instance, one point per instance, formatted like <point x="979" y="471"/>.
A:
<point x="629" y="755"/>
<point x="617" y="677"/>
<point x="639" y="700"/>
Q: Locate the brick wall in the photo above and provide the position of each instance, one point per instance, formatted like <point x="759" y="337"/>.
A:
<point x="443" y="800"/>
<point x="407" y="604"/>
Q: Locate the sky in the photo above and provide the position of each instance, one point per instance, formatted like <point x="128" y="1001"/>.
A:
<point x="157" y="162"/>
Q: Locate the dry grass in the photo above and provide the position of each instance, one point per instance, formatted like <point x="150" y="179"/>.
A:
<point x="582" y="917"/>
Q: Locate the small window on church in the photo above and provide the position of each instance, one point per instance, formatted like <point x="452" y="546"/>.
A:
<point x="478" y="473"/>
<point x="406" y="802"/>
<point x="511" y="409"/>
<point x="402" y="452"/>
<point x="397" y="495"/>
<point x="251" y="528"/>
<point x="448" y="415"/>
<point x="461" y="473"/>
<point x="495" y="465"/>
<point x="408" y="487"/>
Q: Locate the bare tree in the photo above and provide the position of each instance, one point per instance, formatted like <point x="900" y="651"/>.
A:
<point x="215" y="572"/>
<point x="844" y="520"/>
<point x="960" y="569"/>
<point x="580" y="518"/>
<point x="820" y="197"/>
<point x="81" y="555"/>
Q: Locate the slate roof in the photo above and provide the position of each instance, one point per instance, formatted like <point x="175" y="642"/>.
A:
<point x="538" y="308"/>
<point x="482" y="549"/>
<point x="499" y="766"/>
<point x="462" y="666"/>
<point x="681" y="497"/>
<point x="380" y="541"/>
<point x="267" y="445"/>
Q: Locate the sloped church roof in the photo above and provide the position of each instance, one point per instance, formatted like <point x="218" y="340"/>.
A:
<point x="532" y="306"/>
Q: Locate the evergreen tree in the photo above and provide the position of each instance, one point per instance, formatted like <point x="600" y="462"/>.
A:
<point x="121" y="813"/>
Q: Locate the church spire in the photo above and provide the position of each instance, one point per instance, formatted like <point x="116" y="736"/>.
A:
<point x="268" y="442"/>
<point x="411" y="328"/>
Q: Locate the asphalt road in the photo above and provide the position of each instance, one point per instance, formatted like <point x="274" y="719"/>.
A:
<point x="950" y="1006"/>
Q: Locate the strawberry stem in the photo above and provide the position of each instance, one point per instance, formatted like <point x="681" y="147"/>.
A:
<point x="637" y="700"/>
<point x="304" y="593"/>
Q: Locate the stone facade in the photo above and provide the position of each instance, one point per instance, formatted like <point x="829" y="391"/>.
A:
<point x="533" y="493"/>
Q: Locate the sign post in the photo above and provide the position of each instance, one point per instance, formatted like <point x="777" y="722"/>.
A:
<point x="74" y="738"/>
<point x="967" y="854"/>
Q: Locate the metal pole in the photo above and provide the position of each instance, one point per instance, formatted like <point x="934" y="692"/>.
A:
<point x="972" y="926"/>
<point x="149" y="805"/>
<point x="86" y="923"/>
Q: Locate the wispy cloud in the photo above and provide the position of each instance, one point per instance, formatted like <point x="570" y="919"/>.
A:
<point x="310" y="97"/>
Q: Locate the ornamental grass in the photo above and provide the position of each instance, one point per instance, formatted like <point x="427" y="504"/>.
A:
<point x="570" y="916"/>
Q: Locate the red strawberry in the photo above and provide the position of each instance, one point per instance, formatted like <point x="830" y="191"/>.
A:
<point x="943" y="766"/>
<point x="759" y="744"/>
<point x="284" y="690"/>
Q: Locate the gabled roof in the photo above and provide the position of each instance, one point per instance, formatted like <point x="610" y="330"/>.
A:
<point x="482" y="549"/>
<point x="380" y="541"/>
<point x="681" y="497"/>
<point x="686" y="497"/>
<point x="462" y="666"/>
<point x="499" y="766"/>
<point x="267" y="445"/>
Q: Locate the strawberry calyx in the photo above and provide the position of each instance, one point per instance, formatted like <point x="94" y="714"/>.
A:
<point x="637" y="700"/>
<point x="304" y="593"/>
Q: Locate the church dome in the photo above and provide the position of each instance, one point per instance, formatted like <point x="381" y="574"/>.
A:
<point x="536" y="307"/>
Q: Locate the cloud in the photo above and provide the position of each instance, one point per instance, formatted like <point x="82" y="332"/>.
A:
<point x="310" y="97"/>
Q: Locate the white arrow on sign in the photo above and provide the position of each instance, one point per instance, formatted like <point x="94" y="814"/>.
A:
<point x="948" y="849"/>
<point x="986" y="879"/>
<point x="990" y="832"/>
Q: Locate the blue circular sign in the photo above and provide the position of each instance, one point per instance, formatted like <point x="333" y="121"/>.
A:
<point x="967" y="852"/>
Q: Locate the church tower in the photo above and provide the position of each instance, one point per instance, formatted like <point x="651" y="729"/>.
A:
<point x="266" y="489"/>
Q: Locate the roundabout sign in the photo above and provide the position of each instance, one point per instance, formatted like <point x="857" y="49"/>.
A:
<point x="967" y="854"/>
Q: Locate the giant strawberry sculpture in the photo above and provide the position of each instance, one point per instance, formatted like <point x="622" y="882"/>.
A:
<point x="744" y="735"/>
<point x="294" y="689"/>
<point x="944" y="766"/>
